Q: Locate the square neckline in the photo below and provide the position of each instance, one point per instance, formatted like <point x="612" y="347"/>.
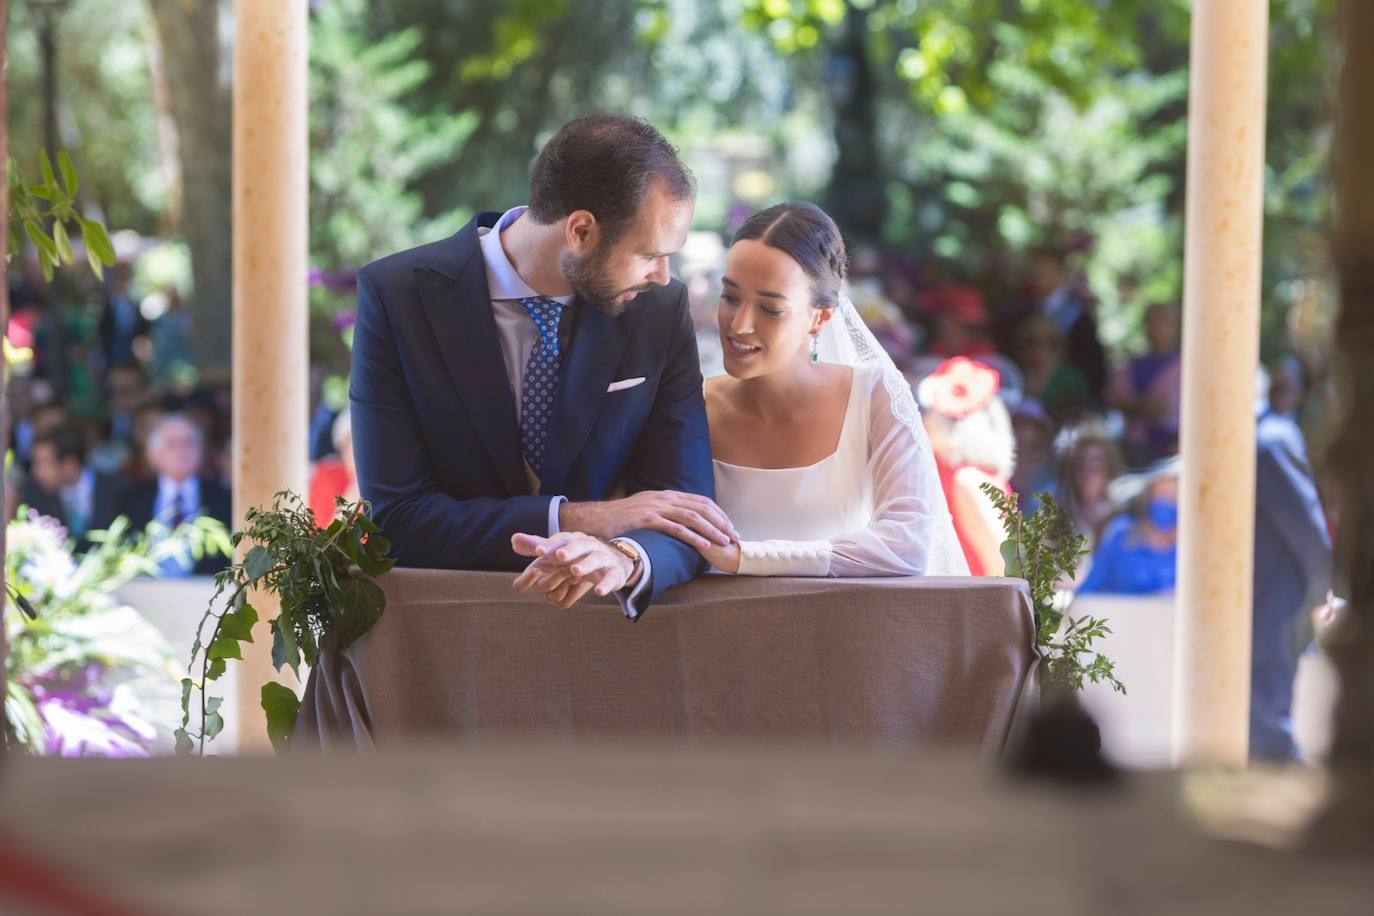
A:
<point x="839" y="443"/>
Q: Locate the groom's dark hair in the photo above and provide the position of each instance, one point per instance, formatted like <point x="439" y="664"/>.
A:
<point x="604" y="164"/>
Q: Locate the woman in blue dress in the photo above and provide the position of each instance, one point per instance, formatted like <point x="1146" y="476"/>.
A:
<point x="1139" y="550"/>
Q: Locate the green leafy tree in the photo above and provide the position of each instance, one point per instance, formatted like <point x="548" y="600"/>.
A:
<point x="988" y="127"/>
<point x="368" y="150"/>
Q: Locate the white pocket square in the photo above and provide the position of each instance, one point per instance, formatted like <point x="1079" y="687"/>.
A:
<point x="628" y="383"/>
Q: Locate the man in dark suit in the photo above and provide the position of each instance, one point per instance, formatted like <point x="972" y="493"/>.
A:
<point x="61" y="486"/>
<point x="507" y="381"/>
<point x="1292" y="576"/>
<point x="178" y="493"/>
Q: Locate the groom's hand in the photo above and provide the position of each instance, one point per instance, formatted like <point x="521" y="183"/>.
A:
<point x="569" y="565"/>
<point x="695" y="520"/>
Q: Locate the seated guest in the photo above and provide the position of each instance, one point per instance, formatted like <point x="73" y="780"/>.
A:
<point x="961" y="319"/>
<point x="1060" y="295"/>
<point x="1035" y="464"/>
<point x="1089" y="461"/>
<point x="178" y="493"/>
<point x="970" y="433"/>
<point x="1139" y="551"/>
<point x="1059" y="386"/>
<point x="63" y="487"/>
<point x="1148" y="391"/>
<point x="334" y="476"/>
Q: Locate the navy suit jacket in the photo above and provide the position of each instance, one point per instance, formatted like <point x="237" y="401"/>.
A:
<point x="434" y="431"/>
<point x="1292" y="545"/>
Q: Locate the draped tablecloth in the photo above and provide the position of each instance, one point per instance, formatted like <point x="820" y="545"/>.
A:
<point x="903" y="659"/>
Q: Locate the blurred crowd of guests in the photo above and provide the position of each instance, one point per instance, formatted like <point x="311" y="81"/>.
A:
<point x="104" y="418"/>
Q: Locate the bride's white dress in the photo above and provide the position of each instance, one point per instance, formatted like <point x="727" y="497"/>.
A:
<point x="873" y="507"/>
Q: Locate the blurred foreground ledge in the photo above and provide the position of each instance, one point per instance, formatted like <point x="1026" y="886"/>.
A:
<point x="665" y="828"/>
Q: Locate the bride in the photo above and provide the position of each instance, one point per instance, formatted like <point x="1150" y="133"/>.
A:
<point x="821" y="461"/>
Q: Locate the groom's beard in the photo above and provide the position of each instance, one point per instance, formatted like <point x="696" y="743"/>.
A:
<point x="589" y="277"/>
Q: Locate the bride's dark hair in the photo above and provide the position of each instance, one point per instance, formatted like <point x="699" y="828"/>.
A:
<point x="806" y="234"/>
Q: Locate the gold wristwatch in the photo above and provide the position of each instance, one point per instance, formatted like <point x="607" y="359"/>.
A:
<point x="630" y="552"/>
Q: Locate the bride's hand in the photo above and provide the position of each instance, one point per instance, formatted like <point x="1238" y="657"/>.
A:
<point x="726" y="558"/>
<point x="695" y="520"/>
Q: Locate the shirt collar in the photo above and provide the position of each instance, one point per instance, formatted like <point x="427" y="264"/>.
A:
<point x="167" y="490"/>
<point x="503" y="283"/>
<point x="83" y="486"/>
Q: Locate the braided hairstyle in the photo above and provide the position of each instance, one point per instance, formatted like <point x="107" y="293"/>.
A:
<point x="806" y="234"/>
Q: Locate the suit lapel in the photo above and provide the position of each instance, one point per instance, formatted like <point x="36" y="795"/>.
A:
<point x="595" y="351"/>
<point x="459" y="310"/>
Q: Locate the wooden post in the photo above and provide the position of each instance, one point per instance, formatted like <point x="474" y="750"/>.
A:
<point x="270" y="342"/>
<point x="1221" y="295"/>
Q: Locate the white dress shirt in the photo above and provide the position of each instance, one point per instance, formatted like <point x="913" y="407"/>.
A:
<point x="180" y="563"/>
<point x="518" y="337"/>
<point x="167" y="492"/>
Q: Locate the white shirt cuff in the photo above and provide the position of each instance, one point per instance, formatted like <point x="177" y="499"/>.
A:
<point x="629" y="598"/>
<point x="553" y="513"/>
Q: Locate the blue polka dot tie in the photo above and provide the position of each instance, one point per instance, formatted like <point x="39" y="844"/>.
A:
<point x="540" y="382"/>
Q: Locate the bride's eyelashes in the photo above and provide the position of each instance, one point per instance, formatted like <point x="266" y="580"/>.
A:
<point x="733" y="302"/>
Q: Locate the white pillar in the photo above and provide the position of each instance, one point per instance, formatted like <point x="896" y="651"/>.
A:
<point x="1221" y="294"/>
<point x="269" y="306"/>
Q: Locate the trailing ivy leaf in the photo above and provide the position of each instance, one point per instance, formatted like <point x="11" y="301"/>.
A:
<point x="212" y="704"/>
<point x="258" y="563"/>
<point x="362" y="604"/>
<point x="373" y="559"/>
<point x="186" y="686"/>
<point x="1011" y="558"/>
<point x="310" y="649"/>
<point x="238" y="624"/>
<point x="224" y="647"/>
<point x="214" y="724"/>
<point x="215" y="670"/>
<point x="184" y="743"/>
<point x="281" y="706"/>
<point x="284" y="648"/>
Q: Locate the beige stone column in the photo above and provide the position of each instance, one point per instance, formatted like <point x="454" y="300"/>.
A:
<point x="269" y="305"/>
<point x="1220" y="351"/>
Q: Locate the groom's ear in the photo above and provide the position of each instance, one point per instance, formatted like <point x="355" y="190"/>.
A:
<point x="581" y="231"/>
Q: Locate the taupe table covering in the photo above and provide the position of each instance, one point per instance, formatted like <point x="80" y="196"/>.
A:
<point x="908" y="660"/>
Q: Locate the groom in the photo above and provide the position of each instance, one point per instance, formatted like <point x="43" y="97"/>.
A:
<point x="510" y="378"/>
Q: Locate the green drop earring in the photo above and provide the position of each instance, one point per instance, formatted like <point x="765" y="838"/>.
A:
<point x="815" y="348"/>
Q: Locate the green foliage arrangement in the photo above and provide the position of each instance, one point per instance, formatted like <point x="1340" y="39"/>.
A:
<point x="309" y="571"/>
<point x="35" y="207"/>
<point x="1044" y="549"/>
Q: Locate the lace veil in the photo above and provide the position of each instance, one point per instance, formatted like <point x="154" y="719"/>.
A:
<point x="846" y="340"/>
